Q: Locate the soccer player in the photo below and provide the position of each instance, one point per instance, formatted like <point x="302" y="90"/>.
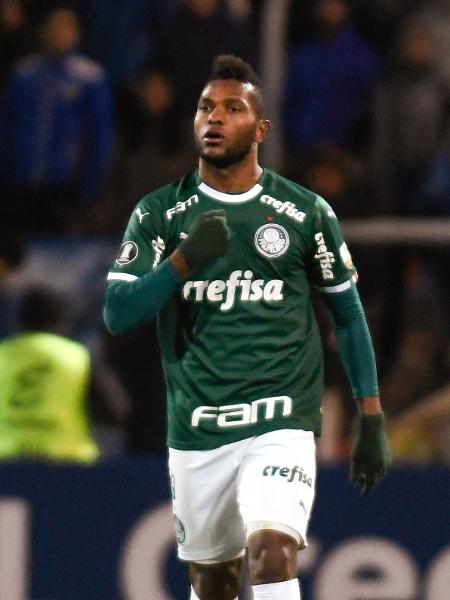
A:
<point x="226" y="257"/>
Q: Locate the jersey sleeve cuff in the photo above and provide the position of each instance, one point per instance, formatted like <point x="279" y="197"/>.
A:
<point x="166" y="270"/>
<point x="340" y="287"/>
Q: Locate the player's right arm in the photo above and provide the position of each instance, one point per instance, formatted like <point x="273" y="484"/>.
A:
<point x="144" y="276"/>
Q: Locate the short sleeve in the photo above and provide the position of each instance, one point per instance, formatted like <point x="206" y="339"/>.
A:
<point x="329" y="263"/>
<point x="144" y="242"/>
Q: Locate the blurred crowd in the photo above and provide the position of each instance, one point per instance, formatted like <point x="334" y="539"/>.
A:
<point x="97" y="99"/>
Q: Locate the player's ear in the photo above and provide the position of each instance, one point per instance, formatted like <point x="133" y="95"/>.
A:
<point x="262" y="129"/>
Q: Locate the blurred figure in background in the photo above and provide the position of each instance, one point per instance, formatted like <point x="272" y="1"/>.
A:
<point x="434" y="17"/>
<point x="420" y="434"/>
<point x="330" y="78"/>
<point x="45" y="382"/>
<point x="416" y="387"/>
<point x="420" y="365"/>
<point x="411" y="123"/>
<point x="379" y="20"/>
<point x="14" y="36"/>
<point x="145" y="156"/>
<point x="200" y="30"/>
<point x="411" y="120"/>
<point x="337" y="175"/>
<point x="432" y="196"/>
<point x="144" y="159"/>
<point x="121" y="35"/>
<point x="55" y="131"/>
<point x="135" y="357"/>
<point x="44" y="378"/>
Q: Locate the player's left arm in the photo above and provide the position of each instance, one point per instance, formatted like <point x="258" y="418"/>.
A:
<point x="370" y="454"/>
<point x="333" y="273"/>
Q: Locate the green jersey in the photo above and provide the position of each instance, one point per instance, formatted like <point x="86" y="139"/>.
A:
<point x="240" y="344"/>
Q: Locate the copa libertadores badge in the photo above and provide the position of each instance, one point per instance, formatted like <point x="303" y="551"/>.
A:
<point x="271" y="240"/>
<point x="127" y="253"/>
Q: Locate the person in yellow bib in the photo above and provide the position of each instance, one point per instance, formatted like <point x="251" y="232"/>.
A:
<point x="44" y="386"/>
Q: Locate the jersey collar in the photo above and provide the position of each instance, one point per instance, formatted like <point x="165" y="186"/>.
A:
<point x="230" y="198"/>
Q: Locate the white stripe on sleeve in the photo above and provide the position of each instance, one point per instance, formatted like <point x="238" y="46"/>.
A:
<point x="121" y="276"/>
<point x="336" y="288"/>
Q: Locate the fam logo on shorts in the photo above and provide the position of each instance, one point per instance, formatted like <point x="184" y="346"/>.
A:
<point x="271" y="240"/>
<point x="180" y="531"/>
<point x="127" y="253"/>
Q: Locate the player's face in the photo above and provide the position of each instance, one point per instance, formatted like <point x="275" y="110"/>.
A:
<point x="226" y="124"/>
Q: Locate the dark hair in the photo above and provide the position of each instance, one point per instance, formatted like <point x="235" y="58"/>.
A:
<point x="42" y="308"/>
<point x="228" y="66"/>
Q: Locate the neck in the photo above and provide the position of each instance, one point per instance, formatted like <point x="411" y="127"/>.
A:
<point x="234" y="179"/>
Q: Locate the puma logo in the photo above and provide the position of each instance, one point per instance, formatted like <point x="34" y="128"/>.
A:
<point x="140" y="214"/>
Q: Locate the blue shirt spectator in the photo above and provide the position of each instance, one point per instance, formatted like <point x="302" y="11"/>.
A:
<point x="56" y="125"/>
<point x="329" y="81"/>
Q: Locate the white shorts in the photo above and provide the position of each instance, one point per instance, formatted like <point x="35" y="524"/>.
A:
<point x="221" y="496"/>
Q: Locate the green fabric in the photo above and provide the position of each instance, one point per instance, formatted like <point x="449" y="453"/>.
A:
<point x="354" y="341"/>
<point x="371" y="458"/>
<point x="208" y="239"/>
<point x="43" y="389"/>
<point x="132" y="303"/>
<point x="240" y="344"/>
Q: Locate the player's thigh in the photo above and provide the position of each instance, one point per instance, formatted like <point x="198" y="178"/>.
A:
<point x="276" y="483"/>
<point x="208" y="523"/>
<point x="217" y="580"/>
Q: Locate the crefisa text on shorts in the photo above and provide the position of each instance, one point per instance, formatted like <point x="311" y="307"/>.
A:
<point x="290" y="473"/>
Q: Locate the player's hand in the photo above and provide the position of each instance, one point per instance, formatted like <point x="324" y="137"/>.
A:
<point x="207" y="240"/>
<point x="371" y="457"/>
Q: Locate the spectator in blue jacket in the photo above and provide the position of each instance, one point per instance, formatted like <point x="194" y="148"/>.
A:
<point x="330" y="79"/>
<point x="56" y="130"/>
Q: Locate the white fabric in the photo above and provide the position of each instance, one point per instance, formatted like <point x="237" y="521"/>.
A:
<point x="336" y="288"/>
<point x="193" y="595"/>
<point x="219" y="494"/>
<point x="219" y="559"/>
<point x="230" y="198"/>
<point x="120" y="277"/>
<point x="283" y="590"/>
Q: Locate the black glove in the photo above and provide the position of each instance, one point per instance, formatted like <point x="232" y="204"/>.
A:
<point x="208" y="239"/>
<point x="371" y="458"/>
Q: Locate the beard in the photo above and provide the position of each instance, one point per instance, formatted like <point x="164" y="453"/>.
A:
<point x="229" y="158"/>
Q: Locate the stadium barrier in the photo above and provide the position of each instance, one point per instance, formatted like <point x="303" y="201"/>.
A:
<point x="398" y="231"/>
<point x="106" y="533"/>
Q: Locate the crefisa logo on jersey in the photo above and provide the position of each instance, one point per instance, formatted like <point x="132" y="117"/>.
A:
<point x="127" y="253"/>
<point x="271" y="240"/>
